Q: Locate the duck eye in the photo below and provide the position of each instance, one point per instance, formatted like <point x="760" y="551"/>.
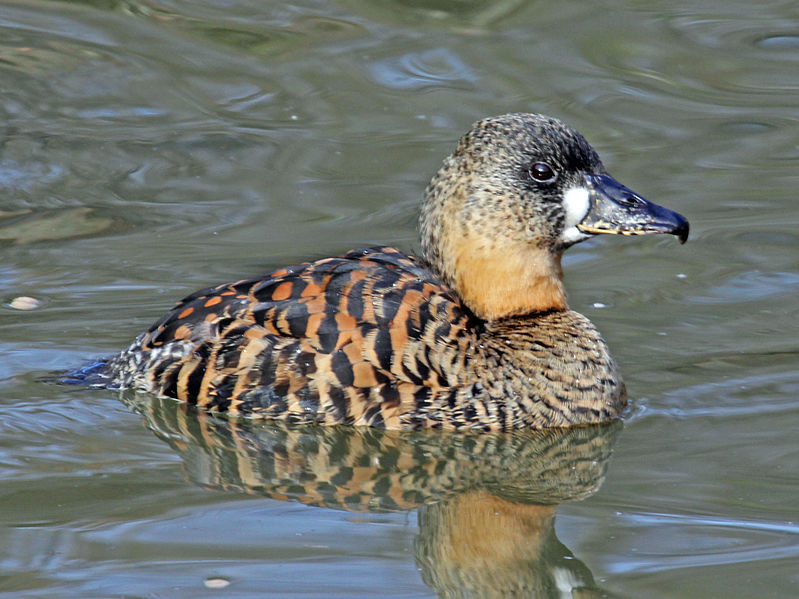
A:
<point x="542" y="172"/>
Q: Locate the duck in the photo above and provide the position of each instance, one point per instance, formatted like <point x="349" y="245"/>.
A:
<point x="475" y="334"/>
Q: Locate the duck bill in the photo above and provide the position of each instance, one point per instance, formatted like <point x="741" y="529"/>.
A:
<point x="615" y="209"/>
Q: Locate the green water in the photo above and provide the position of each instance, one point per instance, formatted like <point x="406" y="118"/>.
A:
<point x="148" y="149"/>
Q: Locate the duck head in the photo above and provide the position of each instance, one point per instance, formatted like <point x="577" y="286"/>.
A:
<point x="517" y="191"/>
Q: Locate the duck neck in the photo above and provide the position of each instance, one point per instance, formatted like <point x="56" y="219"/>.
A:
<point x="504" y="282"/>
<point x="497" y="280"/>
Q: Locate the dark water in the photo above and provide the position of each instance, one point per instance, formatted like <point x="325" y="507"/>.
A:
<point x="152" y="148"/>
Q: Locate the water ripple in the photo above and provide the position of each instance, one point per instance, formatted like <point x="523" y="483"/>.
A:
<point x="750" y="286"/>
<point x="706" y="541"/>
<point x="775" y="392"/>
<point x="422" y="70"/>
<point x="787" y="42"/>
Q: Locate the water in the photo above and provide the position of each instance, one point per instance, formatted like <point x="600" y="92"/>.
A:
<point x="153" y="148"/>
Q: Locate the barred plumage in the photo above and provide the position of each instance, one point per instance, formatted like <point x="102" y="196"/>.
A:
<point x="474" y="335"/>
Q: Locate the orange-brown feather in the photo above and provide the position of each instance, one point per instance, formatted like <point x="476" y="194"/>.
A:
<point x="499" y="282"/>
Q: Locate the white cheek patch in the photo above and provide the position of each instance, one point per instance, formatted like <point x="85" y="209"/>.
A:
<point x="575" y="204"/>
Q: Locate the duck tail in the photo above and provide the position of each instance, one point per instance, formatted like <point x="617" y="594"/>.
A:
<point x="89" y="375"/>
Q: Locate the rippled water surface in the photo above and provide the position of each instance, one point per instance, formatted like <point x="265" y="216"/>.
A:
<point x="152" y="148"/>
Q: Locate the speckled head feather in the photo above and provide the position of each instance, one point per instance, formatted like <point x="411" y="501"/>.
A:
<point x="492" y="220"/>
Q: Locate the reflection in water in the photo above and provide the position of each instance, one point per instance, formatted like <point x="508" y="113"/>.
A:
<point x="479" y="545"/>
<point x="486" y="502"/>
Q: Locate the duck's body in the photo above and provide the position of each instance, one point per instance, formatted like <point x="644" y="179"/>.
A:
<point x="372" y="338"/>
<point x="476" y="335"/>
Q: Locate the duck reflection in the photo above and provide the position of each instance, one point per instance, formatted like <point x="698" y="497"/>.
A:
<point x="486" y="503"/>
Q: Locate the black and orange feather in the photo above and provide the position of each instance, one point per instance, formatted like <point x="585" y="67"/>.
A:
<point x="358" y="339"/>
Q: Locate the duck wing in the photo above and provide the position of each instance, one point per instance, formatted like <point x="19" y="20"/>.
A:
<point x="362" y="338"/>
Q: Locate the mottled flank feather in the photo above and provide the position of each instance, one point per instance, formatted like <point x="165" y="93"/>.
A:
<point x="368" y="338"/>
